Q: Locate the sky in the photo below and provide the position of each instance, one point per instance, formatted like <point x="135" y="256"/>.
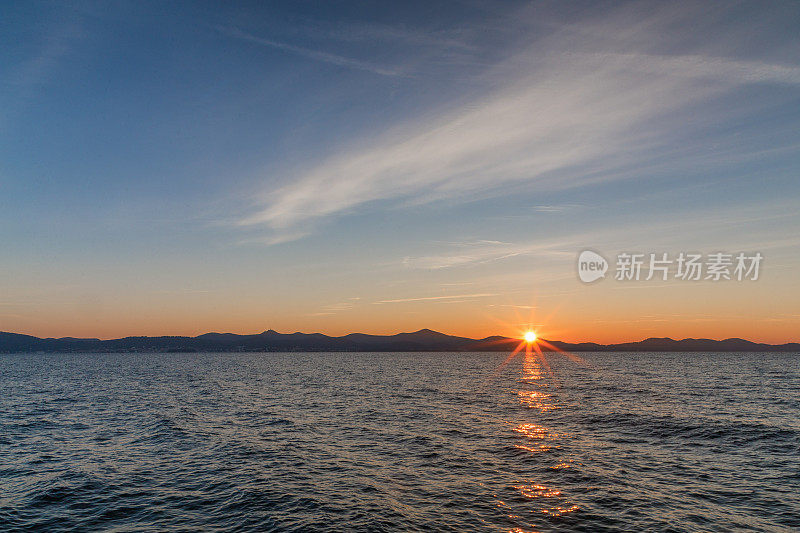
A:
<point x="185" y="167"/>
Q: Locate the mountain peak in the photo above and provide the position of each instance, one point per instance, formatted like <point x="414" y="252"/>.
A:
<point x="426" y="331"/>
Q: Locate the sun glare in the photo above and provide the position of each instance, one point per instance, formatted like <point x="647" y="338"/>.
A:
<point x="530" y="336"/>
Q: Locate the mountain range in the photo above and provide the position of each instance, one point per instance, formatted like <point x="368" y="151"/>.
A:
<point x="422" y="340"/>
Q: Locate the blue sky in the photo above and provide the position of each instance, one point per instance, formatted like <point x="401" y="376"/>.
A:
<point x="174" y="168"/>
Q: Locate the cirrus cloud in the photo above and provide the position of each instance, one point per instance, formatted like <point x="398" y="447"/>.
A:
<point x="564" y="115"/>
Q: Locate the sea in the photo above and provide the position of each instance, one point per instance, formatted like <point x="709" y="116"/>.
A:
<point x="400" y="442"/>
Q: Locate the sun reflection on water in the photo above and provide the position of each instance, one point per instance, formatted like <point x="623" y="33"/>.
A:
<point x="535" y="431"/>
<point x="533" y="490"/>
<point x="534" y="449"/>
<point x="536" y="400"/>
<point x="537" y="497"/>
<point x="558" y="511"/>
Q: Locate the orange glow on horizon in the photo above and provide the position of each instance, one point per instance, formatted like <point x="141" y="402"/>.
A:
<point x="619" y="319"/>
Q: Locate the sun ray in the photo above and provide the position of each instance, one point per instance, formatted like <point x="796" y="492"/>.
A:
<point x="540" y="356"/>
<point x="510" y="357"/>
<point x="565" y="353"/>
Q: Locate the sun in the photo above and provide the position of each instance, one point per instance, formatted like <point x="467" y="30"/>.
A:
<point x="530" y="337"/>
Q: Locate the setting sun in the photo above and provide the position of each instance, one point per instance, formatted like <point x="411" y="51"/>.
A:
<point x="530" y="336"/>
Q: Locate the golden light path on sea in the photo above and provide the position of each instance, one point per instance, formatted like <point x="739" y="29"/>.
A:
<point x="535" y="393"/>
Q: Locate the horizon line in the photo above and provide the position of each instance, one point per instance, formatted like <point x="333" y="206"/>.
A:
<point x="664" y="338"/>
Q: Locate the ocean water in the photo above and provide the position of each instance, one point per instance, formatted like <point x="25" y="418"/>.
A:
<point x="400" y="442"/>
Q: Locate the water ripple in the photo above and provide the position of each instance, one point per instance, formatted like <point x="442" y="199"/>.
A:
<point x="399" y="442"/>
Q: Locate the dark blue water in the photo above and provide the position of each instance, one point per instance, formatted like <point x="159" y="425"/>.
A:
<point x="399" y="442"/>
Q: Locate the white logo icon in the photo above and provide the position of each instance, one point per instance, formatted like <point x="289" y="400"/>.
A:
<point x="591" y="266"/>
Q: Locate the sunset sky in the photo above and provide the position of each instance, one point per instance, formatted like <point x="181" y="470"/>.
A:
<point x="179" y="168"/>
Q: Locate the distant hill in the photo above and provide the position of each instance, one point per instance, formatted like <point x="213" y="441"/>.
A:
<point x="418" y="341"/>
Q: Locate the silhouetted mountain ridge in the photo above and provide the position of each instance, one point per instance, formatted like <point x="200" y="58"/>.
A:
<point x="422" y="340"/>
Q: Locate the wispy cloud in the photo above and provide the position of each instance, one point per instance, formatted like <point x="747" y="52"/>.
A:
<point x="709" y="228"/>
<point x="181" y="291"/>
<point x="554" y="208"/>
<point x="463" y="254"/>
<point x="333" y="309"/>
<point x="371" y="32"/>
<point x="56" y="42"/>
<point x="564" y="116"/>
<point x="440" y="298"/>
<point x="316" y="55"/>
<point x="714" y="68"/>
